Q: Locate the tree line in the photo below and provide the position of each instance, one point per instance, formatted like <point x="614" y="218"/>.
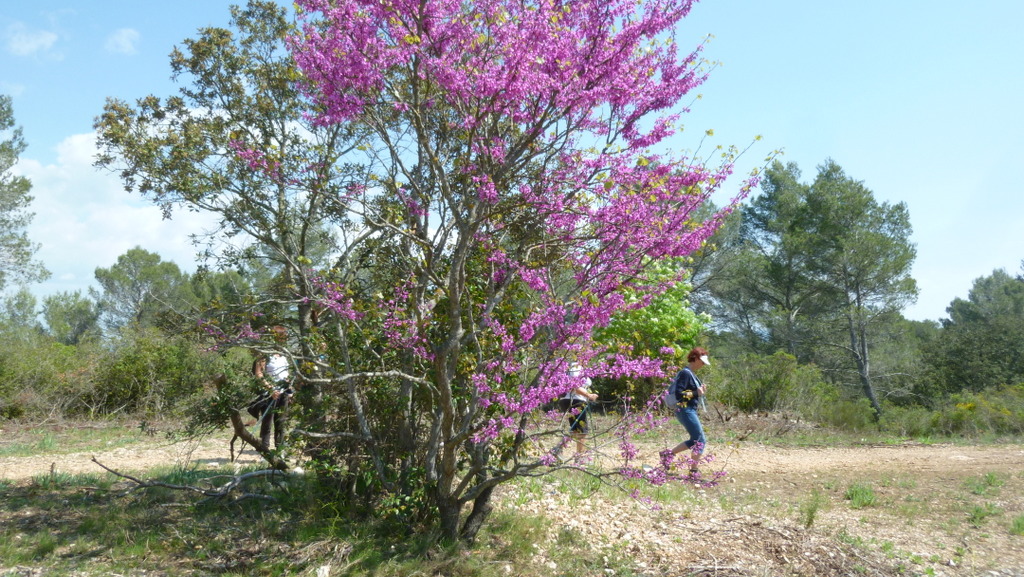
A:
<point x="820" y="272"/>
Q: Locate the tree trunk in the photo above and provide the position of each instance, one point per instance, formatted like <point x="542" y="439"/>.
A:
<point x="481" y="510"/>
<point x="858" y="344"/>
<point x="448" y="510"/>
<point x="241" y="432"/>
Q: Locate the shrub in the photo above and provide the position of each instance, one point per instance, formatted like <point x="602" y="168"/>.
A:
<point x="150" y="372"/>
<point x="32" y="369"/>
<point x="998" y="410"/>
<point x="849" y="415"/>
<point x="755" y="383"/>
<point x="908" y="421"/>
<point x="777" y="383"/>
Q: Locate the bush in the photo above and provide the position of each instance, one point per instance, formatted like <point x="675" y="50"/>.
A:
<point x="908" y="421"/>
<point x="33" y="370"/>
<point x="149" y="372"/>
<point x="997" y="410"/>
<point x="775" y="383"/>
<point x="779" y="384"/>
<point x="849" y="415"/>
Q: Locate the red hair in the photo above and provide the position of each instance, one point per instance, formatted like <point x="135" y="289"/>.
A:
<point x="696" y="353"/>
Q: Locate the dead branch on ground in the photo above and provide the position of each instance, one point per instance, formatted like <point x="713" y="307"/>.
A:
<point x="231" y="487"/>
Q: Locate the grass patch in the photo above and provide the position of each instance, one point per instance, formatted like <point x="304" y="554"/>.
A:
<point x="912" y="508"/>
<point x="977" y="515"/>
<point x="810" y="507"/>
<point x="29" y="441"/>
<point x="75" y="524"/>
<point x="71" y="522"/>
<point x="58" y="480"/>
<point x="860" y="496"/>
<point x="1017" y="526"/>
<point x="984" y="484"/>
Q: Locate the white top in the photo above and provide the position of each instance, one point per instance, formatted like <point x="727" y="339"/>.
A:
<point x="277" y="368"/>
<point x="587" y="383"/>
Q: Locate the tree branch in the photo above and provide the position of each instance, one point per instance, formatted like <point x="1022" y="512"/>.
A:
<point x="221" y="492"/>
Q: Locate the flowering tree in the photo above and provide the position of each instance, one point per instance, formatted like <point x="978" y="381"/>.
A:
<point x="515" y="195"/>
<point x="470" y="193"/>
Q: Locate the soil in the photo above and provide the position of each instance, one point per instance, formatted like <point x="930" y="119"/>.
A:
<point x="941" y="509"/>
<point x="213" y="452"/>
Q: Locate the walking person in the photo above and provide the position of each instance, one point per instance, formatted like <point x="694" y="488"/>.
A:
<point x="576" y="403"/>
<point x="689" y="391"/>
<point x="273" y="373"/>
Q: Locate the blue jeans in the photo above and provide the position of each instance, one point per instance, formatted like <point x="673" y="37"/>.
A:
<point x="688" y="418"/>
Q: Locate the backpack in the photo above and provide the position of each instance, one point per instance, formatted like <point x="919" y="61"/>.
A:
<point x="670" y="395"/>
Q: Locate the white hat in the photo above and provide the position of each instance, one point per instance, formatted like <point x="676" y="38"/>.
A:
<point x="704" y="359"/>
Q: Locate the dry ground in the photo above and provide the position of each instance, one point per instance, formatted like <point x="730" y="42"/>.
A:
<point x="940" y="509"/>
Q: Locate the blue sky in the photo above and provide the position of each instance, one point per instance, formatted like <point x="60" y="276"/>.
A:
<point x="919" y="99"/>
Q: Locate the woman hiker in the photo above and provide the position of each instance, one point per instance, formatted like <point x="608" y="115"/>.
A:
<point x="689" y="389"/>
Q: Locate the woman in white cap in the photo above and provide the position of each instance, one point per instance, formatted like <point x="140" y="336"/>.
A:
<point x="689" y="389"/>
<point x="576" y="404"/>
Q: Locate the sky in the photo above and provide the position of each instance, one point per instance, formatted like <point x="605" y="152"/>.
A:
<point x="921" y="100"/>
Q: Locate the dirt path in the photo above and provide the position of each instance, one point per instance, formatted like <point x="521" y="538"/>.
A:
<point x="939" y="463"/>
<point x="213" y="452"/>
<point x="932" y="461"/>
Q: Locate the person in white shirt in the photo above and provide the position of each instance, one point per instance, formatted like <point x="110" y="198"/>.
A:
<point x="274" y="374"/>
<point x="576" y="404"/>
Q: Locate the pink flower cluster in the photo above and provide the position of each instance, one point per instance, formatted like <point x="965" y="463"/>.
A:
<point x="240" y="335"/>
<point x="334" y="297"/>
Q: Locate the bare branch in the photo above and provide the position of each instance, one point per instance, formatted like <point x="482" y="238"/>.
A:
<point x="221" y="492"/>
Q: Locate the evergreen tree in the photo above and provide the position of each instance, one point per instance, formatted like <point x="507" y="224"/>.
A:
<point x="16" y="250"/>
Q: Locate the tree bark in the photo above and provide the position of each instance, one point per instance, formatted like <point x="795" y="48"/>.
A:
<point x="858" y="344"/>
<point x="241" y="432"/>
<point x="448" y="510"/>
<point x="481" y="511"/>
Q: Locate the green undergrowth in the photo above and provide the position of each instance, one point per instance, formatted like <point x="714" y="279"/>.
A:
<point x="778" y="430"/>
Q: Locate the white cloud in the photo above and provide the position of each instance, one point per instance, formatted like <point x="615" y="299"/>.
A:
<point x="84" y="219"/>
<point x="23" y="41"/>
<point x="123" y="41"/>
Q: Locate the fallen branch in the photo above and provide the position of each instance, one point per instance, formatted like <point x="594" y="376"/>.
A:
<point x="221" y="492"/>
